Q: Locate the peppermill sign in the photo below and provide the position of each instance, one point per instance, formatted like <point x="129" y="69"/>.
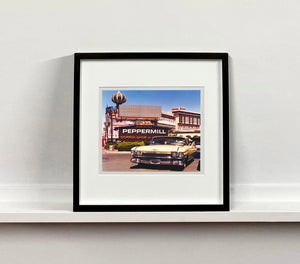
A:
<point x="141" y="133"/>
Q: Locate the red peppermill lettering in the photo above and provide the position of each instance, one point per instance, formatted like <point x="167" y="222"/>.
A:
<point x="143" y="131"/>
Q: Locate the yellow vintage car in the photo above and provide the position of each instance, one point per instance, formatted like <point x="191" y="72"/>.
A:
<point x="177" y="151"/>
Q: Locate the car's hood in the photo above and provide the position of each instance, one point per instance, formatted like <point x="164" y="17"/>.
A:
<point x="159" y="148"/>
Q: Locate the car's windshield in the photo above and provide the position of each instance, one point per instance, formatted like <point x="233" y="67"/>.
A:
<point x="168" y="141"/>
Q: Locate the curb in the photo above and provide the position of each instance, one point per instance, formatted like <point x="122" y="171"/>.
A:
<point x="115" y="152"/>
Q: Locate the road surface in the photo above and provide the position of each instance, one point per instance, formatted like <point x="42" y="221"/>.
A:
<point x="120" y="161"/>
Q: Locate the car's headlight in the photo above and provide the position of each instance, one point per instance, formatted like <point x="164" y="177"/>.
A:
<point x="177" y="154"/>
<point x="136" y="153"/>
<point x="174" y="154"/>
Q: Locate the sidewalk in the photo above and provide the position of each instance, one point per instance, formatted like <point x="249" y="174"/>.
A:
<point x="106" y="151"/>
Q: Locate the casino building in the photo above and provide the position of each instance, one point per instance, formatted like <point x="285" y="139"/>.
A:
<point x="143" y="122"/>
<point x="146" y="125"/>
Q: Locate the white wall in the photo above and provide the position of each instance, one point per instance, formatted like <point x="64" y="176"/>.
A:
<point x="37" y="40"/>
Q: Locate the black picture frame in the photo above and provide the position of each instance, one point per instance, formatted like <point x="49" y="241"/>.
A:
<point x="223" y="57"/>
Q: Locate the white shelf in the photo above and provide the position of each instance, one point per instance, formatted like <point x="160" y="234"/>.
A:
<point x="62" y="213"/>
<point x="52" y="203"/>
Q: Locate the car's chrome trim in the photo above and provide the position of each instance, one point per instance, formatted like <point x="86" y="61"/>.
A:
<point x="176" y="162"/>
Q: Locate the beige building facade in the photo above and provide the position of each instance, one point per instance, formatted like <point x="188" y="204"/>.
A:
<point x="186" y="120"/>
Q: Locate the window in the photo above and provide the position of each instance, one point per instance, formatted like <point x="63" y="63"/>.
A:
<point x="180" y="119"/>
<point x="186" y="120"/>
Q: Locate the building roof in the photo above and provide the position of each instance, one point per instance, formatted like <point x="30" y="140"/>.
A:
<point x="187" y="112"/>
<point x="167" y="113"/>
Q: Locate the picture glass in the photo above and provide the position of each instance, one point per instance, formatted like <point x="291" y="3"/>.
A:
<point x="150" y="129"/>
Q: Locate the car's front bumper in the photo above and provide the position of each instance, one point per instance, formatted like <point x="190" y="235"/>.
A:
<point x="158" y="161"/>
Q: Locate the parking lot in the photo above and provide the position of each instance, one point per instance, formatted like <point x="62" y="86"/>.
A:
<point x="120" y="161"/>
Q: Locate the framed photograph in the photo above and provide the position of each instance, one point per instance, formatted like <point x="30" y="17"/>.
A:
<point x="151" y="132"/>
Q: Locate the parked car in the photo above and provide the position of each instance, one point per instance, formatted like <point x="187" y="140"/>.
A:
<point x="177" y="151"/>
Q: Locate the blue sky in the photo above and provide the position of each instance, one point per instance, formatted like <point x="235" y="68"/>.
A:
<point x="167" y="99"/>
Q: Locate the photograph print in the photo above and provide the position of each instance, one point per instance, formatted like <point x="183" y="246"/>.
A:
<point x="150" y="130"/>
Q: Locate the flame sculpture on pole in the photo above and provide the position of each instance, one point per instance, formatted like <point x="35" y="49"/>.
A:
<point x="119" y="98"/>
